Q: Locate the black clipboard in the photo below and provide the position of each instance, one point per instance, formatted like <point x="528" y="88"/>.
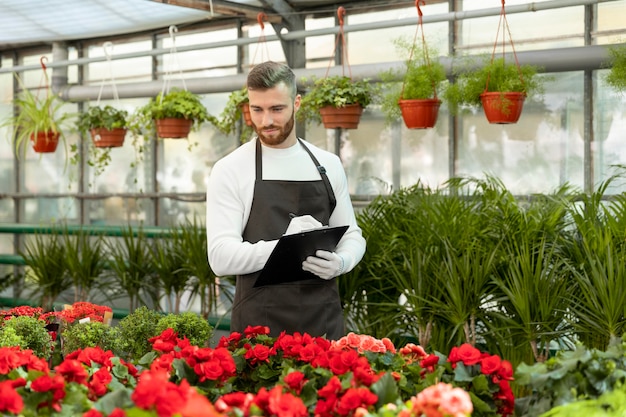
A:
<point x="285" y="262"/>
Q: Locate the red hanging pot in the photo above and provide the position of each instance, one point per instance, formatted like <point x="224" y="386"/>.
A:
<point x="502" y="108"/>
<point x="105" y="138"/>
<point x="420" y="114"/>
<point x="245" y="110"/>
<point x="347" y="117"/>
<point x="45" y="142"/>
<point x="173" y="128"/>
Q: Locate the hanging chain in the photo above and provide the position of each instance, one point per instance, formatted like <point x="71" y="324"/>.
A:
<point x="173" y="29"/>
<point x="262" y="44"/>
<point x="341" y="12"/>
<point x="504" y="24"/>
<point x="420" y="25"/>
<point x="108" y="51"/>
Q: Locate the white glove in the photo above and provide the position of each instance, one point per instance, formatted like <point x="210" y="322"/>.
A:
<point x="324" y="264"/>
<point x="301" y="223"/>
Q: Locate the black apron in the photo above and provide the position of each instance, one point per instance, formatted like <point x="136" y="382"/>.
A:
<point x="311" y="306"/>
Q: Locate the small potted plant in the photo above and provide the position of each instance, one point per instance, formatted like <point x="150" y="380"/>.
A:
<point x="37" y="119"/>
<point x="498" y="86"/>
<point x="174" y="114"/>
<point x="106" y="124"/>
<point x="237" y="107"/>
<point x="337" y="101"/>
<point x="616" y="77"/>
<point x="416" y="98"/>
<point x="107" y="127"/>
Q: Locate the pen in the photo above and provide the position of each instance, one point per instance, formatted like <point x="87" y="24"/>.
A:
<point x="291" y="215"/>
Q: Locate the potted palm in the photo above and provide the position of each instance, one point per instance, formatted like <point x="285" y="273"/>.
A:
<point x="498" y="86"/>
<point x="416" y="98"/>
<point x="38" y="120"/>
<point x="337" y="101"/>
<point x="174" y="114"/>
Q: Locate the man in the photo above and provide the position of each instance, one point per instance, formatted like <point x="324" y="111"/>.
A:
<point x="252" y="195"/>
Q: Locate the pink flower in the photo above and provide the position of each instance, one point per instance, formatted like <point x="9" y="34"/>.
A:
<point x="442" y="400"/>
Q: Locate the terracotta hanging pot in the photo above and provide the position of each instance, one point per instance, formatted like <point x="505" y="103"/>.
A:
<point x="420" y="114"/>
<point x="245" y="110"/>
<point x="105" y="138"/>
<point x="173" y="128"/>
<point x="502" y="108"/>
<point x="45" y="142"/>
<point x="347" y="117"/>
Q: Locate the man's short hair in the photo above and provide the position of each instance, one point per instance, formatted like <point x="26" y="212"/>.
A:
<point x="269" y="74"/>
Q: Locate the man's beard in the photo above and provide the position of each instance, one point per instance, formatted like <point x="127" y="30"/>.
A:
<point x="283" y="133"/>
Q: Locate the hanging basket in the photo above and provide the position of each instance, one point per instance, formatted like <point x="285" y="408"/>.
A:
<point x="245" y="110"/>
<point x="173" y="128"/>
<point x="502" y="108"/>
<point x="45" y="142"/>
<point x="105" y="138"/>
<point x="420" y="114"/>
<point x="347" y="117"/>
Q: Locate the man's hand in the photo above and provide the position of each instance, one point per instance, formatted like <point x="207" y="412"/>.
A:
<point x="301" y="223"/>
<point x="324" y="264"/>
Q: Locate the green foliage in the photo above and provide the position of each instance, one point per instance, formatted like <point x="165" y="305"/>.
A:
<point x="33" y="333"/>
<point x="89" y="334"/>
<point x="35" y="114"/>
<point x="9" y="337"/>
<point x="491" y="76"/>
<point x="232" y="114"/>
<point x="131" y="262"/>
<point x="337" y="91"/>
<point x="45" y="255"/>
<point x="189" y="325"/>
<point x="421" y="79"/>
<point x="133" y="331"/>
<point x="181" y="104"/>
<point x="616" y="77"/>
<point x="169" y="260"/>
<point x="572" y="376"/>
<point x="106" y="117"/>
<point x="85" y="259"/>
<point x="191" y="241"/>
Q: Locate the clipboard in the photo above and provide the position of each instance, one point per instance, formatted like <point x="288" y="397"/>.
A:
<point x="285" y="262"/>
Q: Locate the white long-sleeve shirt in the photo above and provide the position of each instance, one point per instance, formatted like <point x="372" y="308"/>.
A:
<point x="229" y="200"/>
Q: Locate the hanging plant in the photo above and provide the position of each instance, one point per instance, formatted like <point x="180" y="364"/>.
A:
<point x="236" y="108"/>
<point x="616" y="77"/>
<point x="37" y="119"/>
<point x="416" y="99"/>
<point x="499" y="86"/>
<point x="337" y="101"/>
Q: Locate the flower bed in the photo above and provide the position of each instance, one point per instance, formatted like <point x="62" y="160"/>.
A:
<point x="253" y="374"/>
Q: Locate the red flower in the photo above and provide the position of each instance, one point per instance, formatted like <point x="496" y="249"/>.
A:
<point x="10" y="400"/>
<point x="91" y="355"/>
<point x="506" y="371"/>
<point x="117" y="412"/>
<point x="429" y="362"/>
<point x="9" y="359"/>
<point x="98" y="383"/>
<point x="295" y="381"/>
<point x="252" y="331"/>
<point x="285" y="404"/>
<point x="259" y="353"/>
<point x="490" y="364"/>
<point x="92" y="413"/>
<point x="466" y="353"/>
<point x="341" y="362"/>
<point x="73" y="371"/>
<point x="355" y="398"/>
<point x="239" y="400"/>
<point x="165" y="342"/>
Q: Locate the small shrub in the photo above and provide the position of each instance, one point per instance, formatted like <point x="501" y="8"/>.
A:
<point x="88" y="334"/>
<point x="9" y="337"/>
<point x="33" y="333"/>
<point x="189" y="325"/>
<point x="133" y="332"/>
